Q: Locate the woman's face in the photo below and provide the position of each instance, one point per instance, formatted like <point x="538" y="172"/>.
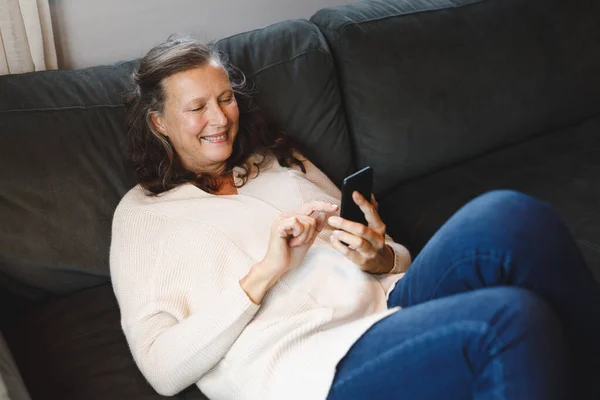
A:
<point x="200" y="117"/>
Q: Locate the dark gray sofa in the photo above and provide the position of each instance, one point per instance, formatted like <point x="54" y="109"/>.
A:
<point x="446" y="99"/>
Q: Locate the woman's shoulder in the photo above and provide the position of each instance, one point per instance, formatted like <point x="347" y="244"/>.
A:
<point x="135" y="195"/>
<point x="139" y="203"/>
<point x="139" y="197"/>
<point x="173" y="211"/>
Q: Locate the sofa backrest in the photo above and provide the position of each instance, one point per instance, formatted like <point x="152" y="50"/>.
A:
<point x="62" y="174"/>
<point x="430" y="83"/>
<point x="63" y="136"/>
<point x="293" y="71"/>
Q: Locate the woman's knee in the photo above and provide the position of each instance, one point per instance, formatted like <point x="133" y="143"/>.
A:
<point x="512" y="203"/>
<point x="519" y="320"/>
<point x="519" y="317"/>
<point x="513" y="212"/>
<point x="522" y="308"/>
<point x="525" y="336"/>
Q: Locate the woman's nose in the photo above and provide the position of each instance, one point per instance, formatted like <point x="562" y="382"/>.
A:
<point x="217" y="116"/>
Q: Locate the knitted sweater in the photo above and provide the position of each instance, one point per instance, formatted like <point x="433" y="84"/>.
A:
<point x="176" y="261"/>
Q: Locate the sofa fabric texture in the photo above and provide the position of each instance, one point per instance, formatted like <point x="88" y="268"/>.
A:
<point x="67" y="351"/>
<point x="64" y="173"/>
<point x="446" y="99"/>
<point x="561" y="168"/>
<point x="429" y="83"/>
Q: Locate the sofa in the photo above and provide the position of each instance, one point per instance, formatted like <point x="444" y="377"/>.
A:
<point x="445" y="99"/>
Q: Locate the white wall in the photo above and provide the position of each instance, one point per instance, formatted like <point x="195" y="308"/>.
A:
<point x="93" y="32"/>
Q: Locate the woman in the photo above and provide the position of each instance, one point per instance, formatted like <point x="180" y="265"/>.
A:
<point x="234" y="272"/>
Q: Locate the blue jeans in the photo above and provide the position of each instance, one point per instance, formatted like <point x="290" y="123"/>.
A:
<point x="498" y="305"/>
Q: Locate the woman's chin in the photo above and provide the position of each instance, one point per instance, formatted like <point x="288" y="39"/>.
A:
<point x="220" y="154"/>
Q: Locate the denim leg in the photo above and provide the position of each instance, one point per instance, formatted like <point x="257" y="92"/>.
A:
<point x="508" y="238"/>
<point x="496" y="343"/>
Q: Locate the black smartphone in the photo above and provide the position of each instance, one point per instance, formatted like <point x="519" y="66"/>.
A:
<point x="361" y="181"/>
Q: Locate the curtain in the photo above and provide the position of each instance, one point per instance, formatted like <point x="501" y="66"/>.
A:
<point x="26" y="38"/>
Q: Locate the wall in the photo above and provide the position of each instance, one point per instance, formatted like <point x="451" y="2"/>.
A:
<point x="93" y="32"/>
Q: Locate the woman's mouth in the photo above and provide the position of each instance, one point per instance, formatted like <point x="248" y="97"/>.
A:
<point x="220" y="138"/>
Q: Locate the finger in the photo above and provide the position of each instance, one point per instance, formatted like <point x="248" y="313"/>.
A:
<point x="320" y="218"/>
<point x="343" y="249"/>
<point x="352" y="227"/>
<point x="301" y="238"/>
<point x="308" y="231"/>
<point x="374" y="202"/>
<point x="290" y="227"/>
<point x="315" y="227"/>
<point x="371" y="215"/>
<point x="309" y="208"/>
<point x="354" y="242"/>
<point x="314" y="234"/>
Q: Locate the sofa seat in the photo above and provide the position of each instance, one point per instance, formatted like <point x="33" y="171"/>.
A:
<point x="74" y="348"/>
<point x="560" y="167"/>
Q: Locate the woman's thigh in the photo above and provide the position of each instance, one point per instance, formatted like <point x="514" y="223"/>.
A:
<point x="497" y="343"/>
<point x="502" y="238"/>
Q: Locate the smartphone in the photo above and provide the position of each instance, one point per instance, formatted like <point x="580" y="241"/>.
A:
<point x="361" y="181"/>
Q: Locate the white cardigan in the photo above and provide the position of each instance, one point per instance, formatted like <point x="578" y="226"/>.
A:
<point x="176" y="261"/>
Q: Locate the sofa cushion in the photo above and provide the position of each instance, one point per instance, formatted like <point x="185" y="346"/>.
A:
<point x="63" y="173"/>
<point x="561" y="168"/>
<point x="430" y="83"/>
<point x="11" y="383"/>
<point x="74" y="348"/>
<point x="293" y="72"/>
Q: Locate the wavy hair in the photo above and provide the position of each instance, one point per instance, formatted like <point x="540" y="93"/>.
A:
<point x="156" y="164"/>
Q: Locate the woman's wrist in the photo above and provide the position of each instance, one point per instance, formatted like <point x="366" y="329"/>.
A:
<point x="389" y="259"/>
<point x="386" y="261"/>
<point x="259" y="280"/>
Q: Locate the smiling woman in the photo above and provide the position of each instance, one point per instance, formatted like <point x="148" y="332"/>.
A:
<point x="229" y="265"/>
<point x="200" y="117"/>
<point x="190" y="120"/>
<point x="227" y="209"/>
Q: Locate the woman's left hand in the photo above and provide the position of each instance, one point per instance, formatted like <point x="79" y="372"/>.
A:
<point x="366" y="244"/>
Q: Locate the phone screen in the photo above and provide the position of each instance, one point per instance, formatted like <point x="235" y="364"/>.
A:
<point x="361" y="181"/>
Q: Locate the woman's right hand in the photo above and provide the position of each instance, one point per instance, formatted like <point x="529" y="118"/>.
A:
<point x="292" y="234"/>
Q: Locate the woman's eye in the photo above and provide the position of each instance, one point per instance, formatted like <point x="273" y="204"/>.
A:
<point x="227" y="100"/>
<point x="197" y="108"/>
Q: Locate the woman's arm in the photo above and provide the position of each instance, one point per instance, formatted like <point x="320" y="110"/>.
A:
<point x="176" y="338"/>
<point x="174" y="353"/>
<point x="183" y="304"/>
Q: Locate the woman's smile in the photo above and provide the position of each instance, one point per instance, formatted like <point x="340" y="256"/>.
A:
<point x="217" y="138"/>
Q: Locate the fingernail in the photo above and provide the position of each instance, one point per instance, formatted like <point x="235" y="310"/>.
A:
<point x="333" y="220"/>
<point x="334" y="205"/>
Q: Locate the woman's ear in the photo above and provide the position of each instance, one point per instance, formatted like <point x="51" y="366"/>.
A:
<point x="157" y="120"/>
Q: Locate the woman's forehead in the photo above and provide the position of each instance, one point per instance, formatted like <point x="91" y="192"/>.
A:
<point x="207" y="80"/>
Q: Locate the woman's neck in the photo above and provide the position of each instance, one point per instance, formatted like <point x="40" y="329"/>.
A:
<point x="226" y="187"/>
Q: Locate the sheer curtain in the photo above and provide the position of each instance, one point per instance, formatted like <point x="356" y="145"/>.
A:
<point x="26" y="38"/>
